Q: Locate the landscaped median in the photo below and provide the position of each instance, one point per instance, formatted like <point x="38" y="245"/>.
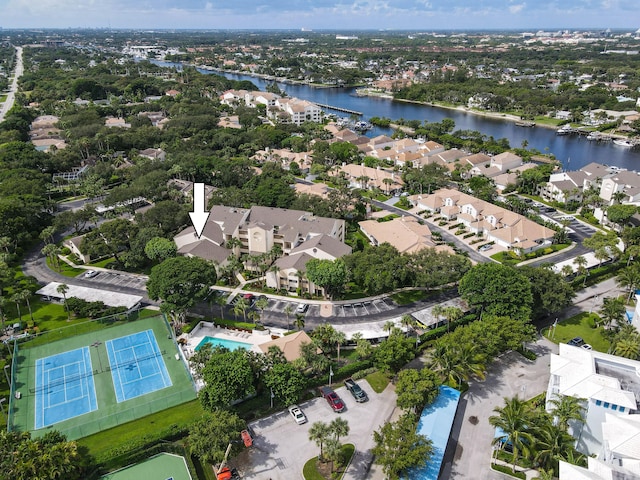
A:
<point x="325" y="469"/>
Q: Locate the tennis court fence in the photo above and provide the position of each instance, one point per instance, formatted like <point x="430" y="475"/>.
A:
<point x="135" y="360"/>
<point x="62" y="381"/>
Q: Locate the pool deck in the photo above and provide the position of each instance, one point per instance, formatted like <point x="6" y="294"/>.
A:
<point x="209" y="329"/>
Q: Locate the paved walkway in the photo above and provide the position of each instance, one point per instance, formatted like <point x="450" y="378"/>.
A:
<point x="13" y="87"/>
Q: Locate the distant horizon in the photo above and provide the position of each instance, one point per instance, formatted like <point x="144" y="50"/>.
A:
<point x="318" y="15"/>
<point x="327" y="30"/>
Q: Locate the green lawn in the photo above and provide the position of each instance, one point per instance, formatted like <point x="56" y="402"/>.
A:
<point x="580" y="326"/>
<point x="174" y="418"/>
<point x="65" y="269"/>
<point x="378" y="381"/>
<point x="409" y="296"/>
<point x="104" y="263"/>
<point x="310" y="469"/>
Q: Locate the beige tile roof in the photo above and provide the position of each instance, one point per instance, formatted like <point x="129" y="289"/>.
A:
<point x="406" y="234"/>
<point x="289" y="345"/>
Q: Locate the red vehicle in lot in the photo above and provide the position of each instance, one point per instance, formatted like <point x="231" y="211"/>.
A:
<point x="332" y="398"/>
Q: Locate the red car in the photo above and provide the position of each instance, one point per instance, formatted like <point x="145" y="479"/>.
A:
<point x="332" y="398"/>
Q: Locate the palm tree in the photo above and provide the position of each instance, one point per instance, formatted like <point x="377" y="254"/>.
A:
<point x="24" y="296"/>
<point x="16" y="299"/>
<point x="241" y="306"/>
<point x="299" y="321"/>
<point x="333" y="451"/>
<point x="288" y="310"/>
<point x="552" y="442"/>
<point x="221" y="301"/>
<point x="581" y="263"/>
<point x="388" y="326"/>
<point x="566" y="271"/>
<point x="339" y="427"/>
<point x="437" y="311"/>
<point x="514" y="420"/>
<point x="63" y="289"/>
<point x="339" y="338"/>
<point x="262" y="303"/>
<point x="629" y="277"/>
<point x="3" y="304"/>
<point x="567" y="408"/>
<point x="319" y="433"/>
<point x="628" y="347"/>
<point x="452" y="314"/>
<point x="51" y="250"/>
<point x="612" y="311"/>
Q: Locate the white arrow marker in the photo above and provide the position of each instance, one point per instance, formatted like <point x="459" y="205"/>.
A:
<point x="199" y="215"/>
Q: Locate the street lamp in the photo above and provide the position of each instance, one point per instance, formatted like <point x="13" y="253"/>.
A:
<point x="330" y="374"/>
<point x="595" y="299"/>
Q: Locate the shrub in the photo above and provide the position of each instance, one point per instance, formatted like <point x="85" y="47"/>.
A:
<point x="351" y="368"/>
<point x="507" y="471"/>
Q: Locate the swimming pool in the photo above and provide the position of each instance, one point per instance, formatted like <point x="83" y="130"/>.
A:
<point x="435" y="423"/>
<point x="223" y="342"/>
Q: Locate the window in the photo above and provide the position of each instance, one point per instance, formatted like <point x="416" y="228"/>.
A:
<point x="621" y="409"/>
<point x="606" y="405"/>
<point x="614" y="407"/>
<point x="598" y="402"/>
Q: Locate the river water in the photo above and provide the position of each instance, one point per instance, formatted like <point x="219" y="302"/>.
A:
<point x="574" y="151"/>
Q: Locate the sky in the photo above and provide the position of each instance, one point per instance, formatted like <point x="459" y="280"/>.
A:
<point x="425" y="15"/>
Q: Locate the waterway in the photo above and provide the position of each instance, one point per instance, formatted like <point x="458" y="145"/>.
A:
<point x="574" y="151"/>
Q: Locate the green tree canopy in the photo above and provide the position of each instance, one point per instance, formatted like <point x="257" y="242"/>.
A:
<point x="211" y="434"/>
<point x="497" y="290"/>
<point x="286" y="382"/>
<point x="398" y="448"/>
<point x="416" y="388"/>
<point x="228" y="377"/>
<point x="180" y="282"/>
<point x="328" y="274"/>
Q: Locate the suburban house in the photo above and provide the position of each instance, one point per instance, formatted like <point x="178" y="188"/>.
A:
<point x="497" y="165"/>
<point x="504" y="227"/>
<point x="284" y="157"/>
<point x="406" y="234"/>
<point x="185" y="187"/>
<point x="230" y="121"/>
<point x="153" y="154"/>
<point x="610" y="389"/>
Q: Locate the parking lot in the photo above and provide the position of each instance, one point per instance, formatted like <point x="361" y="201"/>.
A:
<point x="124" y="280"/>
<point x="282" y="447"/>
<point x="351" y="310"/>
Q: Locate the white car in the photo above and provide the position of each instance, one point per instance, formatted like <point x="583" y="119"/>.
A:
<point x="297" y="414"/>
<point x="90" y="274"/>
<point x="302" y="307"/>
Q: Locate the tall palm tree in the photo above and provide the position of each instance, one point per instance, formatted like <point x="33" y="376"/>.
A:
<point x="241" y="306"/>
<point x="628" y="347"/>
<point x="333" y="451"/>
<point x="567" y="408"/>
<point x="581" y="262"/>
<point x="16" y="299"/>
<point x="437" y="311"/>
<point x="62" y="289"/>
<point x="288" y="310"/>
<point x="612" y="311"/>
<point x="3" y="316"/>
<point x="389" y="326"/>
<point x="629" y="277"/>
<point x="339" y="338"/>
<point x="221" y="301"/>
<point x="339" y="427"/>
<point x="319" y="433"/>
<point x="299" y="321"/>
<point x="552" y="442"/>
<point x="514" y="420"/>
<point x="24" y="296"/>
<point x="452" y="314"/>
<point x="262" y="303"/>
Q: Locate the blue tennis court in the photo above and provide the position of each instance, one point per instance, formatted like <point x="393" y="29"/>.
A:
<point x="64" y="387"/>
<point x="137" y="366"/>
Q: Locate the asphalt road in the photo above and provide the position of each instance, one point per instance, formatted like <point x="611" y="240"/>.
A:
<point x="13" y="88"/>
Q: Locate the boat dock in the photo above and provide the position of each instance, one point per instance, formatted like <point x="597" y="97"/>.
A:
<point x="339" y="109"/>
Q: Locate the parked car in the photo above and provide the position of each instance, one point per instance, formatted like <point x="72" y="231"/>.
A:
<point x="576" y="342"/>
<point x="90" y="274"/>
<point x="250" y="298"/>
<point x="301" y="308"/>
<point x="332" y="398"/>
<point x="358" y="393"/>
<point x="297" y="414"/>
<point x="586" y="346"/>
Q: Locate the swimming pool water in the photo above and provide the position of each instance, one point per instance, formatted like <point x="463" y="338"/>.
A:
<point x="230" y="344"/>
